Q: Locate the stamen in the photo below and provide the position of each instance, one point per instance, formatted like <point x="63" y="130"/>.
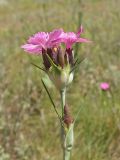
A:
<point x="55" y="49"/>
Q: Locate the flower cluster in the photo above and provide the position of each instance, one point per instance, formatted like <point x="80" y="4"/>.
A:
<point x="56" y="49"/>
<point x="55" y="58"/>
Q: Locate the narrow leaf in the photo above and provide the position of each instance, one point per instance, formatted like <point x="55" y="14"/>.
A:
<point x="77" y="65"/>
<point x="38" y="67"/>
<point x="77" y="114"/>
<point x="51" y="101"/>
<point x="70" y="137"/>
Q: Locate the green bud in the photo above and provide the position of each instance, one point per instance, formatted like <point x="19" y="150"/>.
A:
<point x="61" y="78"/>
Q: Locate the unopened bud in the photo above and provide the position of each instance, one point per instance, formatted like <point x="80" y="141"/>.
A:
<point x="66" y="59"/>
<point x="67" y="116"/>
<point x="60" y="57"/>
<point x="45" y="60"/>
<point x="70" y="56"/>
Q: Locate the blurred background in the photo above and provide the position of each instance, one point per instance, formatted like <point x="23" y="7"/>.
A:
<point x="29" y="128"/>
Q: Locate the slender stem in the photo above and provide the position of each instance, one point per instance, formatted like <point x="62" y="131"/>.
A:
<point x="62" y="93"/>
<point x="66" y="151"/>
<point x="67" y="155"/>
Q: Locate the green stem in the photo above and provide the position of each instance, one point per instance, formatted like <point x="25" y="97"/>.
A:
<point x="62" y="93"/>
<point x="66" y="150"/>
<point x="67" y="155"/>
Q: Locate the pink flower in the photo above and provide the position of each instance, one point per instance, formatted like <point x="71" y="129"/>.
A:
<point x="42" y="40"/>
<point x="104" y="86"/>
<point x="70" y="38"/>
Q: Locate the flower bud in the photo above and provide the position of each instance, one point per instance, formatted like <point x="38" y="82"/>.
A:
<point x="60" y="78"/>
<point x="60" y="57"/>
<point x="68" y="120"/>
<point x="70" y="56"/>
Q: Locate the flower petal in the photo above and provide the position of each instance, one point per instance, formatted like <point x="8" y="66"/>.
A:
<point x="39" y="38"/>
<point x="69" y="38"/>
<point x="54" y="38"/>
<point x="83" y="40"/>
<point x="32" y="49"/>
<point x="80" y="30"/>
<point x="55" y="34"/>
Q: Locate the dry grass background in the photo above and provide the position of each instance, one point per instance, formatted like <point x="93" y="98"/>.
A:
<point x="29" y="128"/>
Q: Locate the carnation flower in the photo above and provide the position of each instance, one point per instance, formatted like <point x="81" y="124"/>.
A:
<point x="70" y="38"/>
<point x="42" y="41"/>
<point x="104" y="86"/>
<point x="58" y="63"/>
